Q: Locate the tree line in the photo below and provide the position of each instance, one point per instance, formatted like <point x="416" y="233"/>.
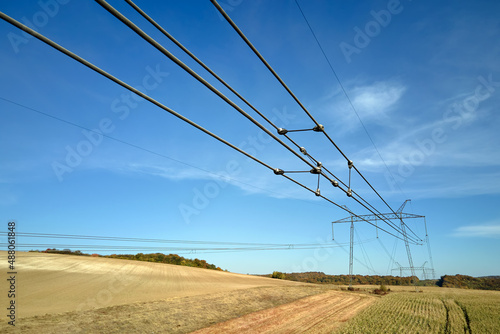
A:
<point x="468" y="282"/>
<point x="153" y="257"/>
<point x="457" y="281"/>
<point x="322" y="278"/>
<point x="164" y="258"/>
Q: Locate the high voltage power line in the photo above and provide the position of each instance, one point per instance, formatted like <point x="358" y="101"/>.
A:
<point x="125" y="85"/>
<point x="159" y="47"/>
<point x="345" y="93"/>
<point x="198" y="246"/>
<point x="195" y="75"/>
<point x="211" y="173"/>
<point x="146" y="240"/>
<point x="247" y="41"/>
<point x="107" y="248"/>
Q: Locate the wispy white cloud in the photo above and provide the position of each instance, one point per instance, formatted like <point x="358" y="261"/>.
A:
<point x="247" y="179"/>
<point x="377" y="99"/>
<point x="472" y="142"/>
<point x="482" y="230"/>
<point x="172" y="173"/>
<point x="373" y="102"/>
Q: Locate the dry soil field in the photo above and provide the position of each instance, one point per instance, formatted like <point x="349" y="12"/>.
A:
<point x="74" y="294"/>
<point x="321" y="313"/>
<point x="64" y="294"/>
<point x="53" y="283"/>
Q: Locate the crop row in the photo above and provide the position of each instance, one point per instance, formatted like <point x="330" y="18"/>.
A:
<point x="432" y="311"/>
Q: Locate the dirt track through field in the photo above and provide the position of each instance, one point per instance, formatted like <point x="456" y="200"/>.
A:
<point x="316" y="314"/>
<point x="54" y="283"/>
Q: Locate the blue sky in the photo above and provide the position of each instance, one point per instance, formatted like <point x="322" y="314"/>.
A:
<point x="423" y="76"/>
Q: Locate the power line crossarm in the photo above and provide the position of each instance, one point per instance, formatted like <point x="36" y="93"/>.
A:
<point x="343" y="208"/>
<point x="386" y="215"/>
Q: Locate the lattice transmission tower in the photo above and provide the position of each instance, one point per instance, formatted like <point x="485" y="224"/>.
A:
<point x="399" y="215"/>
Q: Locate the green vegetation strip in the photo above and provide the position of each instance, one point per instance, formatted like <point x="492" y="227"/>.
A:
<point x="436" y="310"/>
<point x="446" y="281"/>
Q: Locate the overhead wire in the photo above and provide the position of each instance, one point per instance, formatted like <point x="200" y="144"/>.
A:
<point x="213" y="174"/>
<point x="346" y="209"/>
<point x="113" y="11"/>
<point x="202" y="64"/>
<point x="145" y="240"/>
<point x="197" y="251"/>
<point x="346" y="95"/>
<point x="189" y="53"/>
<point x="160" y="48"/>
<point x="354" y="257"/>
<point x="158" y="104"/>
<point x="123" y="84"/>
<point x="252" y="47"/>
<point x="269" y="67"/>
<point x="391" y="258"/>
<point x="105" y="248"/>
<point x="394" y="249"/>
<point x="364" y="253"/>
<point x="200" y="246"/>
<point x="247" y="41"/>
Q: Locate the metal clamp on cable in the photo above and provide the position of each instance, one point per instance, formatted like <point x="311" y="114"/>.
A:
<point x="278" y="171"/>
<point x="317" y="192"/>
<point x="317" y="169"/>
<point x="303" y="150"/>
<point x="319" y="128"/>
<point x="335" y="183"/>
<point x="350" y="164"/>
<point x="282" y="131"/>
<point x="349" y="192"/>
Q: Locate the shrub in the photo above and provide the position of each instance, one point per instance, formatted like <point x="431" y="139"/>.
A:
<point x="278" y="275"/>
<point x="382" y="290"/>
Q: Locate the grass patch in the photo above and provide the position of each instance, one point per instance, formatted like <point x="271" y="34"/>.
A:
<point x="434" y="310"/>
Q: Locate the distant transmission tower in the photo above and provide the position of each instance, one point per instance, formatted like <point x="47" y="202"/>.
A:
<point x="398" y="215"/>
<point x="426" y="272"/>
<point x="351" y="243"/>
